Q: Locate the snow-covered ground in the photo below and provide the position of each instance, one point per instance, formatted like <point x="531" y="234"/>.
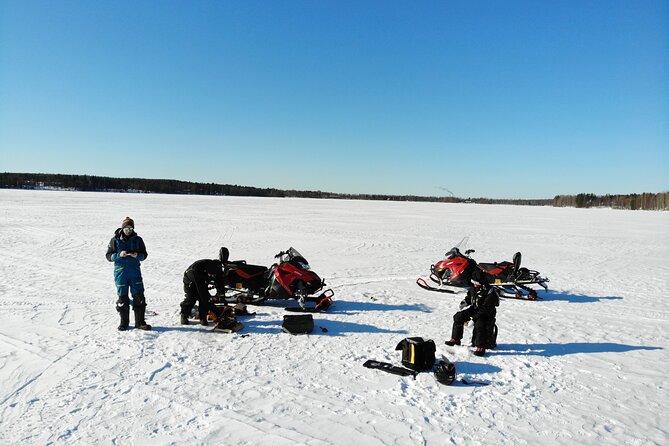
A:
<point x="587" y="365"/>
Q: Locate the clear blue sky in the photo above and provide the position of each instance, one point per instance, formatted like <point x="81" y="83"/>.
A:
<point x="500" y="99"/>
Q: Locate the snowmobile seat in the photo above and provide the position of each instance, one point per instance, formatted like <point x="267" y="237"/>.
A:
<point x="243" y="273"/>
<point x="224" y="255"/>
<point x="495" y="268"/>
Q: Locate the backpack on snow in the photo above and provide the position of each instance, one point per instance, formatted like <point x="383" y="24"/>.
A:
<point x="417" y="353"/>
<point x="298" y="323"/>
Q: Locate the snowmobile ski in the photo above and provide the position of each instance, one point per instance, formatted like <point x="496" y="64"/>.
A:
<point x="323" y="304"/>
<point x="424" y="285"/>
<point x="389" y="368"/>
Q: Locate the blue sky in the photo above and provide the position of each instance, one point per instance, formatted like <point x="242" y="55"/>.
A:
<point x="513" y="99"/>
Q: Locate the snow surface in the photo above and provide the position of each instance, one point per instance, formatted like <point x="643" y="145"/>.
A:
<point x="587" y="365"/>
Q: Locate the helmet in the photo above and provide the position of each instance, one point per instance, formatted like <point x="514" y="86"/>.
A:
<point x="445" y="372"/>
<point x="479" y="278"/>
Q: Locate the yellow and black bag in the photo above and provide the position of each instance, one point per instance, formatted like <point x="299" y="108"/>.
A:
<point x="417" y="353"/>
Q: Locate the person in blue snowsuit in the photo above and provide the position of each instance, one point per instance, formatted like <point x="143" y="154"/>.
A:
<point x="126" y="249"/>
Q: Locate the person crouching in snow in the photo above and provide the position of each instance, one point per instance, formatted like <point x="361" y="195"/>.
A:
<point x="126" y="249"/>
<point x="477" y="311"/>
<point x="196" y="280"/>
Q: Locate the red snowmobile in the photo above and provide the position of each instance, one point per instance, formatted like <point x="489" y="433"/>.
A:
<point x="290" y="278"/>
<point x="510" y="278"/>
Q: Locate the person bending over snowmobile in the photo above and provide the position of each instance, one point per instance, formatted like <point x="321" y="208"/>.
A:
<point x="477" y="311"/>
<point x="197" y="278"/>
<point x="126" y="249"/>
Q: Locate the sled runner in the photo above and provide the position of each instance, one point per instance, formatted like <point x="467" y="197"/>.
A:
<point x="223" y="325"/>
<point x="228" y="326"/>
<point x="454" y="273"/>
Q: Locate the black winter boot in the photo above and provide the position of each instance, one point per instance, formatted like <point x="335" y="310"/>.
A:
<point x="123" y="308"/>
<point x="184" y="319"/>
<point x="140" y="323"/>
<point x="140" y="309"/>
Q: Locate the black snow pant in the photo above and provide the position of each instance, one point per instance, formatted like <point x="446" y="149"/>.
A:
<point x="483" y="326"/>
<point x="204" y="305"/>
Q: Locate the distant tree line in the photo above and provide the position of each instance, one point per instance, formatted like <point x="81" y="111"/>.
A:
<point x="162" y="186"/>
<point x="92" y="183"/>
<point x="646" y="201"/>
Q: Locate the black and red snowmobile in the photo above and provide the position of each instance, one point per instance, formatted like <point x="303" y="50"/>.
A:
<point x="290" y="278"/>
<point x="454" y="273"/>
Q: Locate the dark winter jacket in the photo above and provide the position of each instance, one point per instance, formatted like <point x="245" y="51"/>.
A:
<point x="484" y="301"/>
<point x="196" y="275"/>
<point x="128" y="267"/>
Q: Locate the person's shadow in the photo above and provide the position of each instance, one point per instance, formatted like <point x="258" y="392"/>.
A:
<point x="570" y="348"/>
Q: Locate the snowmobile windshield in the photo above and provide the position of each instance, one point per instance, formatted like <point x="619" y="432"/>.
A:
<point x="458" y="249"/>
<point x="292" y="255"/>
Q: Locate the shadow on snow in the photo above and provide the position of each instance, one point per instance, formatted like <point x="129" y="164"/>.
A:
<point x="353" y="307"/>
<point x="565" y="349"/>
<point x="575" y="298"/>
<point x="323" y="327"/>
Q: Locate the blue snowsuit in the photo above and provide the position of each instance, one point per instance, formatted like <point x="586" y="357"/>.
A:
<point x="127" y="271"/>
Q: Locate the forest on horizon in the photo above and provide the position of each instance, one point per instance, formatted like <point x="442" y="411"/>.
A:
<point x="91" y="183"/>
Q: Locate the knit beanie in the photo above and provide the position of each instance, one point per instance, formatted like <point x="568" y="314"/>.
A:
<point x="128" y="222"/>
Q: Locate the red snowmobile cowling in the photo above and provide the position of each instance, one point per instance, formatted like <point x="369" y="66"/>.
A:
<point x="455" y="269"/>
<point x="294" y="276"/>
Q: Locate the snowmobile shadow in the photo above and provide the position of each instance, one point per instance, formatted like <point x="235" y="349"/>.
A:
<point x="339" y="328"/>
<point x="577" y="298"/>
<point x="192" y="328"/>
<point x="565" y="349"/>
<point x="322" y="327"/>
<point x="353" y="307"/>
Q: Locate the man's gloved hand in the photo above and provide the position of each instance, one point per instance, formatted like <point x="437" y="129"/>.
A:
<point x="463" y="305"/>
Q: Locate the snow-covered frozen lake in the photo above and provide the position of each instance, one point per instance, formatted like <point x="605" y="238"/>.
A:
<point x="586" y="365"/>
